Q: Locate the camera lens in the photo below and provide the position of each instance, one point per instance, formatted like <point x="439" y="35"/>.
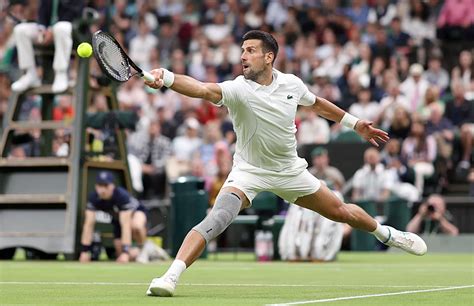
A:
<point x="431" y="208"/>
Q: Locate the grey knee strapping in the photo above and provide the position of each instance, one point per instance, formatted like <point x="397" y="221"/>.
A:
<point x="225" y="210"/>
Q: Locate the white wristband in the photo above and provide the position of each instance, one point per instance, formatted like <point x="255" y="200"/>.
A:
<point x="168" y="78"/>
<point x="349" y="121"/>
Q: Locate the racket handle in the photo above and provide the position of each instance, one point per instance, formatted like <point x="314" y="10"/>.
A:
<point x="148" y="76"/>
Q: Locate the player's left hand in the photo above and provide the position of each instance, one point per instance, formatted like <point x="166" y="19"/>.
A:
<point x="375" y="136"/>
<point x="123" y="258"/>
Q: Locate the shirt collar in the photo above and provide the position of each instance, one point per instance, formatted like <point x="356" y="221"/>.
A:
<point x="279" y="77"/>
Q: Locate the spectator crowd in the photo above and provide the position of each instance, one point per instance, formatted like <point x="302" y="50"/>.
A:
<point x="405" y="65"/>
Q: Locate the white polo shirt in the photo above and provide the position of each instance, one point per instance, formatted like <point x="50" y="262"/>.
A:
<point x="264" y="120"/>
<point x="372" y="182"/>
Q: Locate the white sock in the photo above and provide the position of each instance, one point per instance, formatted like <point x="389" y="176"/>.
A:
<point x="382" y="233"/>
<point x="176" y="268"/>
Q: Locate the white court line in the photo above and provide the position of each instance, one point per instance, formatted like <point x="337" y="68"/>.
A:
<point x="72" y="283"/>
<point x="305" y="285"/>
<point x="212" y="285"/>
<point x="370" y="295"/>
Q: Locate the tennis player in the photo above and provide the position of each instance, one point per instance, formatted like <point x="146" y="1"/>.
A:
<point x="262" y="104"/>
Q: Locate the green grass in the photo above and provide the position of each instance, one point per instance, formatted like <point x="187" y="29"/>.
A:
<point x="245" y="282"/>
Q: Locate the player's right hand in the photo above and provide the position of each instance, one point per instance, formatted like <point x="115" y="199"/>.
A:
<point x="158" y="83"/>
<point x="85" y="257"/>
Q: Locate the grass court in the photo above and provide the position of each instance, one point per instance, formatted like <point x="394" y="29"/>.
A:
<point x="355" y="279"/>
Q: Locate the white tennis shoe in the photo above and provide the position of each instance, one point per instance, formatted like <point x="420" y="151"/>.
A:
<point x="162" y="286"/>
<point x="61" y="82"/>
<point x="27" y="81"/>
<point x="406" y="241"/>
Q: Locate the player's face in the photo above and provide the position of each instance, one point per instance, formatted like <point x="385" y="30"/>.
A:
<point x="104" y="191"/>
<point x="254" y="60"/>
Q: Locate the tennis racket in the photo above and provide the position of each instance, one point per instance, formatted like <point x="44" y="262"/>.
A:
<point x="113" y="61"/>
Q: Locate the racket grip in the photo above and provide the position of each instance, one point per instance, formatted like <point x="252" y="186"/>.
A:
<point x="148" y="76"/>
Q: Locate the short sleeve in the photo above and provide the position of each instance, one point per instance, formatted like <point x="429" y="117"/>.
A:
<point x="307" y="98"/>
<point x="90" y="206"/>
<point x="132" y="204"/>
<point x="123" y="200"/>
<point x="91" y="200"/>
<point x="230" y="92"/>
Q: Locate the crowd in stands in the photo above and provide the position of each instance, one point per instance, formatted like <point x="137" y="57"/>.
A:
<point x="406" y="65"/>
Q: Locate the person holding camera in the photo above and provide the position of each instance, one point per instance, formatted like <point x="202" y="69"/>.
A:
<point x="432" y="217"/>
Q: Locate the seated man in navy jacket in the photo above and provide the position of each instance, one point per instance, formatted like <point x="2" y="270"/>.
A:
<point x="128" y="218"/>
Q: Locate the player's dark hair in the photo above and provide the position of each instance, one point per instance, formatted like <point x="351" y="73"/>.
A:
<point x="269" y="43"/>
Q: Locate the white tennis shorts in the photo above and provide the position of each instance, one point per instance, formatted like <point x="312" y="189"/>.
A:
<point x="284" y="184"/>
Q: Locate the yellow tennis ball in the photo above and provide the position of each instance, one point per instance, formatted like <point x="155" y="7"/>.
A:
<point x="84" y="49"/>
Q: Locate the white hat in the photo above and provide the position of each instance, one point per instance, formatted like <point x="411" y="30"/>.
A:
<point x="192" y="123"/>
<point x="416" y="69"/>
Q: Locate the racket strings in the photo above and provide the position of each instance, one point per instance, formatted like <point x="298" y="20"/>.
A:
<point x="111" y="58"/>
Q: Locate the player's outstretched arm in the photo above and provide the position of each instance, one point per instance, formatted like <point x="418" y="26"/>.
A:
<point x="185" y="85"/>
<point x="364" y="128"/>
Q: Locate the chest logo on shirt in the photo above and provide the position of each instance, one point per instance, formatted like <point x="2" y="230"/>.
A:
<point x="289" y="97"/>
